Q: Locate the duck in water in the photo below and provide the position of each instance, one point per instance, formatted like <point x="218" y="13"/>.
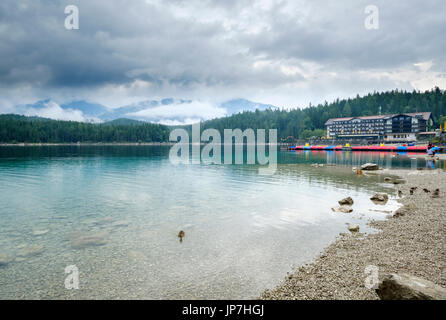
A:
<point x="181" y="234"/>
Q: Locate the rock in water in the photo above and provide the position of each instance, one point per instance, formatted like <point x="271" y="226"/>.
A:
<point x="84" y="240"/>
<point x="5" y="259"/>
<point x="31" y="251"/>
<point x="40" y="232"/>
<point x="353" y="228"/>
<point x="344" y="209"/>
<point x="120" y="223"/>
<point x="370" y="166"/>
<point x="407" y="287"/>
<point x="347" y="201"/>
<point x="388" y="179"/>
<point x="381" y="198"/>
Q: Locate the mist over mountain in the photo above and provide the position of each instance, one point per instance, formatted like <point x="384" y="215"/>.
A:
<point x="165" y="111"/>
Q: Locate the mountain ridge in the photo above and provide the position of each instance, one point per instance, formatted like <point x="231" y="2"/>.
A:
<point x="164" y="110"/>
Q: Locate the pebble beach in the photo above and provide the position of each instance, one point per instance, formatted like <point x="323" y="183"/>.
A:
<point x="412" y="240"/>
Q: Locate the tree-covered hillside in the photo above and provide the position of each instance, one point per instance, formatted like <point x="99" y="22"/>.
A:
<point x="307" y="122"/>
<point x="15" y="128"/>
<point x="293" y="123"/>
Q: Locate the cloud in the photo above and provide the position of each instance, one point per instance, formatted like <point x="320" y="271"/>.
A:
<point x="53" y="111"/>
<point x="181" y="113"/>
<point x="280" y="52"/>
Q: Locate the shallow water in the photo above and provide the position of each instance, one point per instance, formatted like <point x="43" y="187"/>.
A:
<point x="244" y="231"/>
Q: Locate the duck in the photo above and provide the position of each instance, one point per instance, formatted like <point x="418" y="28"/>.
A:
<point x="181" y="234"/>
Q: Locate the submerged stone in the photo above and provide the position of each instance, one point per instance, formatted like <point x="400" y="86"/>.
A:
<point x="5" y="259"/>
<point x="40" y="232"/>
<point x="344" y="209"/>
<point x="30" y="251"/>
<point x="120" y="223"/>
<point x="84" y="240"/>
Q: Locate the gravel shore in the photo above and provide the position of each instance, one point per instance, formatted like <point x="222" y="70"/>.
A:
<point x="412" y="241"/>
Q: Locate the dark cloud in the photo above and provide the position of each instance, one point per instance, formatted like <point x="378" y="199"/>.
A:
<point x="206" y="48"/>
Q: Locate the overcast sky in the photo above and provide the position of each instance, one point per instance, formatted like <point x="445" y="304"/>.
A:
<point x="285" y="53"/>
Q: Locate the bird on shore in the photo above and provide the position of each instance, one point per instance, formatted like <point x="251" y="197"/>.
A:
<point x="436" y="193"/>
<point x="426" y="190"/>
<point x="412" y="189"/>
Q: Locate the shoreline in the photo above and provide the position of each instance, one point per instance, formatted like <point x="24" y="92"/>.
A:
<point x="441" y="156"/>
<point x="411" y="241"/>
<point x="82" y="144"/>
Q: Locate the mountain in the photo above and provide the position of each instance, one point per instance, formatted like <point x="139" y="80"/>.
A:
<point x="125" y="111"/>
<point x="168" y="110"/>
<point x="89" y="109"/>
<point x="240" y="105"/>
<point x="124" y="122"/>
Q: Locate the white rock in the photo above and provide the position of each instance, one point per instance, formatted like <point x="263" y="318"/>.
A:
<point x="344" y="209"/>
<point x="370" y="166"/>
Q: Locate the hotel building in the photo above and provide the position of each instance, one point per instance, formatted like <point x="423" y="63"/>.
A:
<point x="393" y="128"/>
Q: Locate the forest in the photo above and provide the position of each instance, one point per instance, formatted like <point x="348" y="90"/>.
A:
<point x="310" y="121"/>
<point x="291" y="123"/>
<point x="15" y="128"/>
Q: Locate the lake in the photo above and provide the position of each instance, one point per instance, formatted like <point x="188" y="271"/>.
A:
<point x="115" y="211"/>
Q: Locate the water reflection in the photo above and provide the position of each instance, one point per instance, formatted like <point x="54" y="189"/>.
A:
<point x="348" y="158"/>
